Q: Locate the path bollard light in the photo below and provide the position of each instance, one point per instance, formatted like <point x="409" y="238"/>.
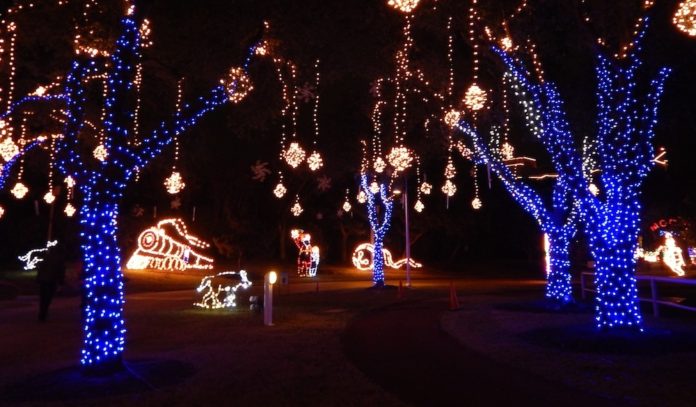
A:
<point x="268" y="281"/>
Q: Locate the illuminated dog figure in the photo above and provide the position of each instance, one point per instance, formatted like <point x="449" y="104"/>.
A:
<point x="362" y="261"/>
<point x="160" y="250"/>
<point x="308" y="258"/>
<point x="224" y="295"/>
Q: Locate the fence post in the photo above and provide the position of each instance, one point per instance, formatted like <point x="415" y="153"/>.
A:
<point x="653" y="293"/>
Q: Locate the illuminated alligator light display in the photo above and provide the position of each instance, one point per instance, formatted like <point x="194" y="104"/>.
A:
<point x="160" y="250"/>
<point x="363" y="261"/>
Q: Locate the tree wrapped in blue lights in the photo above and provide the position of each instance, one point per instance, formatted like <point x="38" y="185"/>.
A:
<point x="102" y="182"/>
<point x="378" y="200"/>
<point x="621" y="152"/>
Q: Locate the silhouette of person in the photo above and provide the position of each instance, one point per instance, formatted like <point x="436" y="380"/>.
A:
<point x="50" y="274"/>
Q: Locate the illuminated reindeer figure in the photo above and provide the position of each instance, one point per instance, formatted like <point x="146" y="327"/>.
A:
<point x="212" y="297"/>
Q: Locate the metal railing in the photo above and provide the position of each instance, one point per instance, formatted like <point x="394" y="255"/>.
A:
<point x="654" y="299"/>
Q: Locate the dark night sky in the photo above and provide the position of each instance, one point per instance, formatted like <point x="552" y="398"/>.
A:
<point x="355" y="41"/>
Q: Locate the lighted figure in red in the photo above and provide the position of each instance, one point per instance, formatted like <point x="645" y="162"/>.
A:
<point x="308" y="258"/>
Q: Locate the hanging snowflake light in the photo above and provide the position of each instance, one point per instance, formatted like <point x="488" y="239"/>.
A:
<point x="296" y="209"/>
<point x="685" y="18"/>
<point x="400" y="158"/>
<point x="507" y="151"/>
<point x="405" y="6"/>
<point x="280" y="190"/>
<point x="475" y="98"/>
<point x="426" y="188"/>
<point x="476" y="204"/>
<point x="374" y="187"/>
<point x="362" y="197"/>
<point x="315" y="161"/>
<point x="294" y="155"/>
<point x="69" y="210"/>
<point x="20" y="190"/>
<point x="450" y="170"/>
<point x="174" y="183"/>
<point x="452" y="117"/>
<point x="100" y="153"/>
<point x="380" y="165"/>
<point x="8" y="149"/>
<point x="419" y="206"/>
<point x="49" y="197"/>
<point x="238" y="84"/>
<point x="449" y="188"/>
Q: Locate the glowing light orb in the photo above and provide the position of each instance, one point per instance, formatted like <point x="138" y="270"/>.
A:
<point x="100" y="153"/>
<point x="315" y="161"/>
<point x="69" y="210"/>
<point x="380" y="165"/>
<point x="475" y="98"/>
<point x="363" y="262"/>
<point x="400" y="158"/>
<point x="374" y="187"/>
<point x="685" y="18"/>
<point x="362" y="197"/>
<point x="507" y="151"/>
<point x="294" y="155"/>
<point x="8" y="149"/>
<point x="49" y="197"/>
<point x="169" y="246"/>
<point x="280" y="190"/>
<point x="218" y="293"/>
<point x="238" y="84"/>
<point x="450" y="171"/>
<point x="405" y="6"/>
<point x="20" y="190"/>
<point x="426" y="188"/>
<point x="449" y="188"/>
<point x="419" y="206"/>
<point x="2" y="211"/>
<point x="174" y="183"/>
<point x="452" y="117"/>
<point x="347" y="206"/>
<point x="476" y="204"/>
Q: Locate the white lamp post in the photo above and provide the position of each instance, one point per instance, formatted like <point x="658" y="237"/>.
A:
<point x="268" y="281"/>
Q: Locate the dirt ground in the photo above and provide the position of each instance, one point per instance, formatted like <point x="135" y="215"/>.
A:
<point x="346" y="344"/>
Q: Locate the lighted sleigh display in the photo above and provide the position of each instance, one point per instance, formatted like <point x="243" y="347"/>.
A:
<point x="363" y="255"/>
<point x="169" y="246"/>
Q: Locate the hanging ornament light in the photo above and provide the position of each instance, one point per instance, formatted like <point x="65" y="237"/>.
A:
<point x="419" y="206"/>
<point x="294" y="155"/>
<point x="380" y="165"/>
<point x="315" y="161"/>
<point x="19" y="190"/>
<point x="452" y="117"/>
<point x="362" y="197"/>
<point x="507" y="151"/>
<point x="374" y="187"/>
<point x="69" y="210"/>
<point x="49" y="197"/>
<point x="280" y="190"/>
<point x="506" y="44"/>
<point x="449" y="188"/>
<point x="100" y="153"/>
<point x="174" y="183"/>
<point x="475" y="98"/>
<point x="685" y="17"/>
<point x="8" y="149"/>
<point x="238" y="84"/>
<point x="476" y="204"/>
<point x="400" y="158"/>
<point x="69" y="181"/>
<point x="296" y="209"/>
<point x="346" y="204"/>
<point x="426" y="188"/>
<point x="2" y="211"/>
<point x="405" y="6"/>
<point x="450" y="170"/>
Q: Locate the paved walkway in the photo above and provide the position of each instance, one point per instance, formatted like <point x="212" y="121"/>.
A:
<point x="403" y="349"/>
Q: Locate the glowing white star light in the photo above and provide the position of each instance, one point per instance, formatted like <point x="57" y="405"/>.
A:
<point x="49" y="197"/>
<point x="315" y="161"/>
<point x="476" y="204"/>
<point x="419" y="206"/>
<point x="380" y="165"/>
<point x="425" y="188"/>
<point x="452" y="117"/>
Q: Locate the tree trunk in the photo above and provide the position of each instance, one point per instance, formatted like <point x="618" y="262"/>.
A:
<point x="558" y="286"/>
<point x="617" y="291"/>
<point x="104" y="326"/>
<point x="378" y="262"/>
